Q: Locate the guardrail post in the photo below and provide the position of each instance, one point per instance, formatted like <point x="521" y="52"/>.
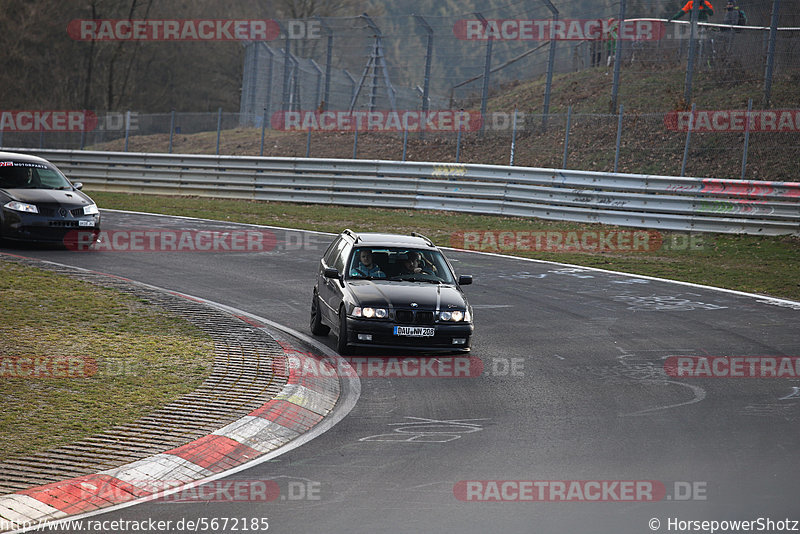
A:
<point x="746" y="135"/>
<point x="688" y="141"/>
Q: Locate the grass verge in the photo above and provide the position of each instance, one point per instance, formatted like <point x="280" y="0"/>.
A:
<point x="77" y="359"/>
<point x="757" y="264"/>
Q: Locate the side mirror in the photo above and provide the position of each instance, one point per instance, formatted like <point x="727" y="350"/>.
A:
<point x="330" y="272"/>
<point x="78" y="185"/>
<point x="465" y="279"/>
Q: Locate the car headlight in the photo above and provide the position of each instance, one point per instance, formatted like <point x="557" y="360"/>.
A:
<point x="91" y="209"/>
<point x="454" y="316"/>
<point x="369" y="313"/>
<point x="21" y="206"/>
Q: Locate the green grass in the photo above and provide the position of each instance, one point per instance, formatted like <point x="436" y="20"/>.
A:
<point x="129" y="358"/>
<point x="765" y="265"/>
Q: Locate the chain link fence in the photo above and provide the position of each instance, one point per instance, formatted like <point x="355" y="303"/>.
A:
<point x="351" y="65"/>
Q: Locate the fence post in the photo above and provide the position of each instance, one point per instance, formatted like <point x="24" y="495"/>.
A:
<point x="687" y="91"/>
<point x="308" y="143"/>
<point x="688" y="141"/>
<point x="328" y="59"/>
<point x="171" y="130"/>
<point x="219" y="126"/>
<point x="550" y="65"/>
<point x="127" y="128"/>
<point x="566" y="137"/>
<point x="405" y="142"/>
<point x="619" y="138"/>
<point x="617" y="55"/>
<point x="286" y="72"/>
<point x="773" y="31"/>
<point x="428" y="56"/>
<point x="268" y="99"/>
<point x="746" y="135"/>
<point x="513" y="138"/>
<point x="487" y="70"/>
<point x="263" y="131"/>
<point x="458" y="144"/>
<point x="355" y="138"/>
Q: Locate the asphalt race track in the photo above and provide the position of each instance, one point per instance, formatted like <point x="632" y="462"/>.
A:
<point x="573" y="388"/>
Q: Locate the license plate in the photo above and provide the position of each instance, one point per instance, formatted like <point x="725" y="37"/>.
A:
<point x="413" y="331"/>
<point x="85" y="223"/>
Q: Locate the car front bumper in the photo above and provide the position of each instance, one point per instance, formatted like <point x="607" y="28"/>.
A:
<point x="447" y="336"/>
<point x="36" y="227"/>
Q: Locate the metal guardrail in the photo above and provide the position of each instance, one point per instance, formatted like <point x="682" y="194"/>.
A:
<point x="643" y="201"/>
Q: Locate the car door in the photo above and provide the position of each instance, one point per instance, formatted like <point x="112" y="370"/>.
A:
<point x="329" y="289"/>
<point x="337" y="287"/>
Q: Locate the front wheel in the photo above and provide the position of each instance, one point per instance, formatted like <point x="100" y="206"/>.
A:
<point x="341" y="343"/>
<point x="317" y="328"/>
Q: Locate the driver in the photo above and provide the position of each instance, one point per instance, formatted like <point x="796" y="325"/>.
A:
<point x="365" y="266"/>
<point x="413" y="264"/>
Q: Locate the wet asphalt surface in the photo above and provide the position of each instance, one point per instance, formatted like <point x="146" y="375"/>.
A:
<point x="573" y="388"/>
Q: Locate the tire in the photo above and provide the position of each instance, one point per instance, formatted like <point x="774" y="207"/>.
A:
<point x="341" y="343"/>
<point x="317" y="328"/>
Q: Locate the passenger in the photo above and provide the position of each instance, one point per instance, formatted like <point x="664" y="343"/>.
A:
<point x="366" y="267"/>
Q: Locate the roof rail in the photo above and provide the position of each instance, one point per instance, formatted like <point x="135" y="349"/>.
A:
<point x="352" y="234"/>
<point x="416" y="234"/>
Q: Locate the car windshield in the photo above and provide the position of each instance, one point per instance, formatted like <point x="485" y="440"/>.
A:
<point x="399" y="264"/>
<point x="28" y="175"/>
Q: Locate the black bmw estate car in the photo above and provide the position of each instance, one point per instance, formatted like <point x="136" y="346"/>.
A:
<point x="39" y="204"/>
<point x="390" y="291"/>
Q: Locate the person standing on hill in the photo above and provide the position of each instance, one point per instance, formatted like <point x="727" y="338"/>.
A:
<point x="705" y="10"/>
<point x="734" y="16"/>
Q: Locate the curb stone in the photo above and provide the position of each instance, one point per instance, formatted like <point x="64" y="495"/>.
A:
<point x="302" y="403"/>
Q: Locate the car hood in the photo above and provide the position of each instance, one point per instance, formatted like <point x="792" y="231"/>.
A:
<point x="64" y="198"/>
<point x="381" y="293"/>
